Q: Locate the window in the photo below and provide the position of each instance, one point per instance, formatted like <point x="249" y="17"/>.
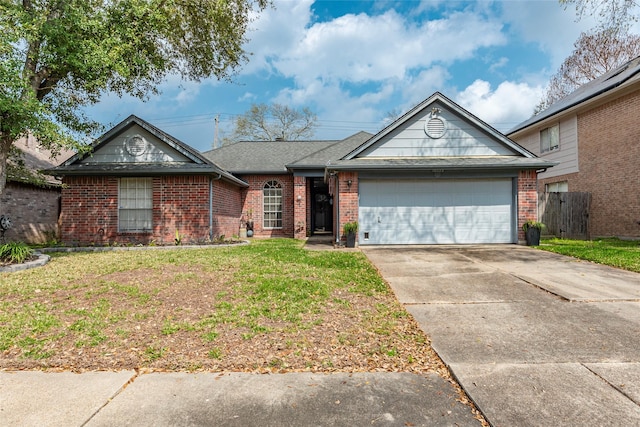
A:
<point x="135" y="200"/>
<point x="550" y="139"/>
<point x="557" y="187"/>
<point x="272" y="204"/>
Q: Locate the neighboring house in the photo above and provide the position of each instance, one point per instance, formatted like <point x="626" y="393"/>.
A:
<point x="593" y="135"/>
<point x="31" y="200"/>
<point x="436" y="175"/>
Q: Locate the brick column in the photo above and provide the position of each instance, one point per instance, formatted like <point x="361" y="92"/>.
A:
<point x="348" y="198"/>
<point x="300" y="204"/>
<point x="527" y="199"/>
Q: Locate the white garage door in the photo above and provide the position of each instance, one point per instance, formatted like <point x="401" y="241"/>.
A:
<point x="435" y="211"/>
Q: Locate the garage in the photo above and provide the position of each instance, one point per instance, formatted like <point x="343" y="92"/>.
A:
<point x="436" y="211"/>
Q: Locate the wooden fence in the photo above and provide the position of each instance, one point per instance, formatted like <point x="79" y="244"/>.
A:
<point x="566" y="215"/>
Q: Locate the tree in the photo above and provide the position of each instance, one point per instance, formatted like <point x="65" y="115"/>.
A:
<point x="58" y="56"/>
<point x="612" y="14"/>
<point x="594" y="54"/>
<point x="273" y="122"/>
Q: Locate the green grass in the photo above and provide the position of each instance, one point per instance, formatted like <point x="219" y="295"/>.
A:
<point x="147" y="305"/>
<point x="618" y="253"/>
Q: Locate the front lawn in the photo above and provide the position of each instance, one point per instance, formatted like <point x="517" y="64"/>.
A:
<point x="268" y="306"/>
<point x="623" y="254"/>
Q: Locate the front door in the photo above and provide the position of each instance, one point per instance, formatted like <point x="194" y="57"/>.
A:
<point x="321" y="209"/>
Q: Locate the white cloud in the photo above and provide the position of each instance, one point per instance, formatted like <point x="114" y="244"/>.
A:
<point x="360" y="48"/>
<point x="503" y="108"/>
<point x="274" y="32"/>
<point x="548" y="24"/>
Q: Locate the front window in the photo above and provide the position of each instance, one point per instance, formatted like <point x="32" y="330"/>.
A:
<point x="135" y="199"/>
<point x="272" y="208"/>
<point x="550" y="139"/>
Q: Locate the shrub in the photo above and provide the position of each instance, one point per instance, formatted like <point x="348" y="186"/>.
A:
<point x="350" y="227"/>
<point x="15" y="252"/>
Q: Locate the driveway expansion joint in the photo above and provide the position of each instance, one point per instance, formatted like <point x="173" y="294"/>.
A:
<point x="609" y="383"/>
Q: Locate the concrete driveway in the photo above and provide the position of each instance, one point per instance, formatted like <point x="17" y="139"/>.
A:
<point x="534" y="338"/>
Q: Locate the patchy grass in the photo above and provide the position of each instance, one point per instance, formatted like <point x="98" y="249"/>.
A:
<point x="623" y="254"/>
<point x="269" y="306"/>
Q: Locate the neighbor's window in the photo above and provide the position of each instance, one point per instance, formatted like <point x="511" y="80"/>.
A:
<point x="550" y="139"/>
<point x="135" y="204"/>
<point x="272" y="205"/>
<point x="557" y="187"/>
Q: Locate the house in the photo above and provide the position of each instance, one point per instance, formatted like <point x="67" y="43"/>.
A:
<point x="32" y="200"/>
<point x="592" y="134"/>
<point x="140" y="185"/>
<point x="436" y="175"/>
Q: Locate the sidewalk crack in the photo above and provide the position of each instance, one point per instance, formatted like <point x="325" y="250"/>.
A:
<point x="113" y="396"/>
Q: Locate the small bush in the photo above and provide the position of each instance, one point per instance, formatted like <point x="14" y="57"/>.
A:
<point x="15" y="252"/>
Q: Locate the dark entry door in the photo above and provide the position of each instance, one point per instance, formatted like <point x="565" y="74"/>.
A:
<point x="322" y="208"/>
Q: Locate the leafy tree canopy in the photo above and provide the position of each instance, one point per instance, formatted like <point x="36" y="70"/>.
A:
<point x="58" y="56"/>
<point x="274" y="122"/>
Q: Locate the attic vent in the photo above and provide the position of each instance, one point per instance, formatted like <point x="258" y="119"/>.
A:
<point x="136" y="145"/>
<point x="435" y="127"/>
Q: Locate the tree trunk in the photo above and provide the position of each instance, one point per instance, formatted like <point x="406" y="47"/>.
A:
<point x="5" y="146"/>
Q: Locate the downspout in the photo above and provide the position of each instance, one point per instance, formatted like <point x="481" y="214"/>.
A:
<point x="211" y="204"/>
<point x="336" y="202"/>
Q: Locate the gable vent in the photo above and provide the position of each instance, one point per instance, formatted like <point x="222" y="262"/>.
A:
<point x="435" y="127"/>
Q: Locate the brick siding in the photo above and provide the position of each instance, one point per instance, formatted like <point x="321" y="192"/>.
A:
<point x="527" y="199"/>
<point x="252" y="204"/>
<point x="609" y="153"/>
<point x="34" y="212"/>
<point x="90" y="211"/>
<point x="348" y="200"/>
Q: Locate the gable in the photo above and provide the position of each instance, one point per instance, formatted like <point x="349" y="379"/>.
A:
<point x="135" y="144"/>
<point x="437" y="130"/>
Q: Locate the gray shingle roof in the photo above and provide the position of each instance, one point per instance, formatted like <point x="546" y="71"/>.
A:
<point x="198" y="164"/>
<point x="321" y="158"/>
<point x="444" y="163"/>
<point x="624" y="75"/>
<point x="263" y="157"/>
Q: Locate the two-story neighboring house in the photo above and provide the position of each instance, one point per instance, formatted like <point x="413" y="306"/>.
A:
<point x="594" y="136"/>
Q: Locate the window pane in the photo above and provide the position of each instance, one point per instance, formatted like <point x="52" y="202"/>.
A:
<point x="135" y="204"/>
<point x="272" y="205"/>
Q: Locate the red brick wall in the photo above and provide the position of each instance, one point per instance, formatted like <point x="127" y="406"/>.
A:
<point x="527" y="199"/>
<point x="90" y="211"/>
<point x="348" y="200"/>
<point x="253" y="204"/>
<point x="33" y="211"/>
<point x="609" y="156"/>
<point x="301" y="207"/>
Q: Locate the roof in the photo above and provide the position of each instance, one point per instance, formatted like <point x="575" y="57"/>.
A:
<point x="623" y="76"/>
<point x="198" y="164"/>
<point x="321" y="158"/>
<point x="37" y="158"/>
<point x="439" y="97"/>
<point x="264" y="157"/>
<point x="441" y="163"/>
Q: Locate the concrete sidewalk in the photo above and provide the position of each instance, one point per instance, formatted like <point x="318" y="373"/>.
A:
<point x="231" y="399"/>
<point x="534" y="338"/>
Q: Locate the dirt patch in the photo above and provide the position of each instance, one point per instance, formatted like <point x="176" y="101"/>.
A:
<point x="193" y="318"/>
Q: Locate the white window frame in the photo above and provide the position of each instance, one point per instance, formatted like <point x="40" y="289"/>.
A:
<point x="557" y="187"/>
<point x="135" y="205"/>
<point x="550" y="139"/>
<point x="272" y="205"/>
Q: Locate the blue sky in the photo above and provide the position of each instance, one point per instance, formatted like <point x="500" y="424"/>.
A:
<point x="354" y="62"/>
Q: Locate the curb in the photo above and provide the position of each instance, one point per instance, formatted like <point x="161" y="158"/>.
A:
<point x="140" y="248"/>
<point x="39" y="262"/>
